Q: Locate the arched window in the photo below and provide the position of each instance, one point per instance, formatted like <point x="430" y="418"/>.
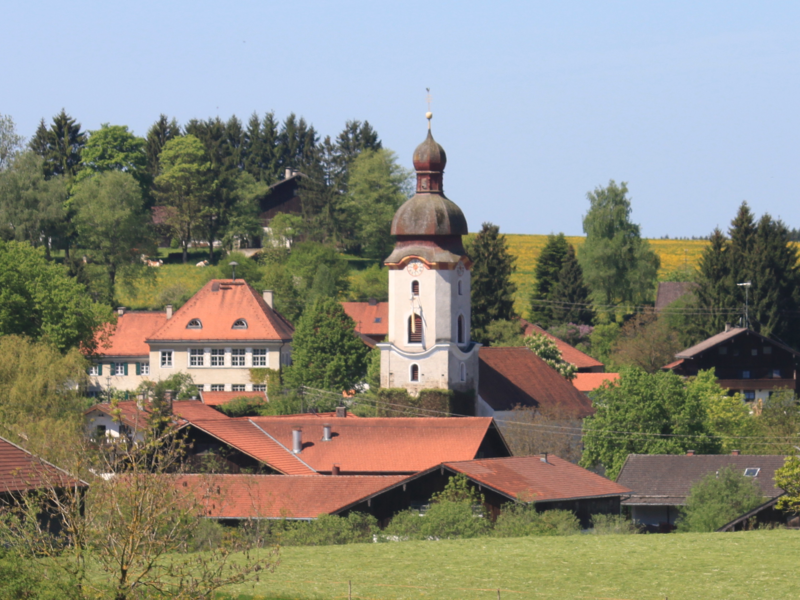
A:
<point x="463" y="372"/>
<point x="415" y="329"/>
<point x="239" y="324"/>
<point x="415" y="288"/>
<point x="460" y="289"/>
<point x="414" y="376"/>
<point x="461" y="330"/>
<point x="194" y="324"/>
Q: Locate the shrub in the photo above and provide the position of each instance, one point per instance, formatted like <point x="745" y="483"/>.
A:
<point x="717" y="499"/>
<point x="243" y="406"/>
<point x="613" y="525"/>
<point x="25" y="578"/>
<point x="328" y="530"/>
<point x="520" y="520"/>
<point x="444" y="520"/>
<point x="405" y="525"/>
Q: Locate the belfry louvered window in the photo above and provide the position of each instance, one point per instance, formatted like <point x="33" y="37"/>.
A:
<point x="415" y="288"/>
<point x="461" y="330"/>
<point x="415" y="329"/>
<point x="414" y="376"/>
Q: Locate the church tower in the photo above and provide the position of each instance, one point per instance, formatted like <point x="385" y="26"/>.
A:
<point x="429" y="345"/>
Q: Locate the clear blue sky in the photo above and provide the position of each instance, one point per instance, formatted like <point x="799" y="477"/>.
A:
<point x="695" y="104"/>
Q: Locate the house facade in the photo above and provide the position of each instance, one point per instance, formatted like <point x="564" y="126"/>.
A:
<point x="225" y="330"/>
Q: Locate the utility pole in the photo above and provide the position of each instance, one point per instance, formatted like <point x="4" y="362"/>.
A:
<point x="746" y="285"/>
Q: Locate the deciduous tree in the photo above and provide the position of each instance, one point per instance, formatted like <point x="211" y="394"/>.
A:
<point x="718" y="499"/>
<point x="788" y="479"/>
<point x="546" y="349"/>
<point x="647" y="342"/>
<point x="11" y="142"/>
<point x="114" y="148"/>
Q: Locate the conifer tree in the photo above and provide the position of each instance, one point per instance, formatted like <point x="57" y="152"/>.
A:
<point x="60" y="146"/>
<point x="570" y="297"/>
<point x="714" y="293"/>
<point x="492" y="288"/>
<point x="548" y="268"/>
<point x="162" y="131"/>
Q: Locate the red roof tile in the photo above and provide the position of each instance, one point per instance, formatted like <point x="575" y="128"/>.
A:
<point x="381" y="445"/>
<point x="133" y="416"/>
<point x="252" y="440"/>
<point x="672" y="365"/>
<point x="529" y="478"/>
<point x="127" y="337"/>
<point x="569" y="353"/>
<point x="371" y="319"/>
<point x="509" y="377"/>
<point x="20" y="470"/>
<point x="217" y="398"/>
<point x="586" y="382"/>
<point x="282" y="496"/>
<point x="218" y="305"/>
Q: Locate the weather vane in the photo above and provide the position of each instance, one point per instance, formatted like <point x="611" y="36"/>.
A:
<point x="429" y="114"/>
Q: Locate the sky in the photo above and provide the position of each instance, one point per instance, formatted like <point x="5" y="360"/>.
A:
<point x="696" y="105"/>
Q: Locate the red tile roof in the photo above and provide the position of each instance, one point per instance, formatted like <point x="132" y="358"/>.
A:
<point x="253" y="441"/>
<point x="569" y="353"/>
<point x="529" y="478"/>
<point x="217" y="398"/>
<point x="381" y="445"/>
<point x="218" y="305"/>
<point x="127" y="337"/>
<point x="20" y="470"/>
<point x="282" y="496"/>
<point x="133" y="416"/>
<point x="586" y="382"/>
<point x="509" y="377"/>
<point x="672" y="365"/>
<point x="371" y="319"/>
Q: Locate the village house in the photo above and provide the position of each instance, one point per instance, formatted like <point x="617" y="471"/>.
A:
<point x="219" y="335"/>
<point x="743" y="361"/>
<point x="660" y="483"/>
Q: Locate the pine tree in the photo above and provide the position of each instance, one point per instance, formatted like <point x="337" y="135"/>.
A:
<point x="158" y="135"/>
<point x="492" y="288"/>
<point x="570" y="297"/>
<point x="548" y="268"/>
<point x="715" y="297"/>
<point x="60" y="146"/>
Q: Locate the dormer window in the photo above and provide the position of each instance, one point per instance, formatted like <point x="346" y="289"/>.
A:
<point x="239" y="324"/>
<point x="194" y="324"/>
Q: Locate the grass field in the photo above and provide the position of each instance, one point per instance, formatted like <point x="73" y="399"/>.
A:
<point x="749" y="565"/>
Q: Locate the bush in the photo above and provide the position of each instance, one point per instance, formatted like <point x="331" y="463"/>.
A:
<point x="613" y="525"/>
<point x="521" y="520"/>
<point x="25" y="578"/>
<point x="329" y="530"/>
<point x="444" y="520"/>
<point x="718" y="499"/>
<point x="244" y="406"/>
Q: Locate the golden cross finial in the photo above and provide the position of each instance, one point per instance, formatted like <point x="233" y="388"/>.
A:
<point x="429" y="114"/>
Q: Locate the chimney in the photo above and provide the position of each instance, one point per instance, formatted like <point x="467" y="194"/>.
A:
<point x="120" y="310"/>
<point x="690" y="453"/>
<point x="544" y="457"/>
<point x="335" y="470"/>
<point x="168" y="308"/>
<point x="373" y="301"/>
<point x="297" y="440"/>
<point x="326" y="432"/>
<point x="267" y="294"/>
<point x="727" y="326"/>
<point x="288" y="173"/>
<point x="734" y="453"/>
<point x="341" y="412"/>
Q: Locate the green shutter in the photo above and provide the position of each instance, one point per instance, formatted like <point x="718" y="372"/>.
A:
<point x="100" y="369"/>
<point x="125" y="369"/>
<point x="138" y="368"/>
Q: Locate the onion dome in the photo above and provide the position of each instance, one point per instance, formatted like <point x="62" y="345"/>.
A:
<point x="429" y="156"/>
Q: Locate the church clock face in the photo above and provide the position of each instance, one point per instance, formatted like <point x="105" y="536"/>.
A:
<point x="415" y="267"/>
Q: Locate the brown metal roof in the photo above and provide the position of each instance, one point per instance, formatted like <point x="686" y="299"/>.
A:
<point x="670" y="291"/>
<point x="714" y="340"/>
<point x="661" y="479"/>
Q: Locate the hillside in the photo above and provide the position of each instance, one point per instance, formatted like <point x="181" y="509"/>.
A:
<point x="711" y="566"/>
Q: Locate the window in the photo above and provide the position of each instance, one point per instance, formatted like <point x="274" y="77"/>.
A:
<point x="751" y="472"/>
<point x="460" y="291"/>
<point x="259" y="387"/>
<point x="166" y="359"/>
<point x="194" y="324"/>
<point x="776" y="373"/>
<point x="95" y="370"/>
<point x="723" y="349"/>
<point x="415" y="288"/>
<point x="750" y="396"/>
<point x="217" y="357"/>
<point x="286" y="359"/>
<point x="767" y="350"/>
<point x="259" y="357"/>
<point x="754" y="352"/>
<point x="237" y="387"/>
<point x="240" y="324"/>
<point x="217" y="387"/>
<point x="414" y="373"/>
<point x="99" y="432"/>
<point x="196" y="357"/>
<point x="461" y="338"/>
<point x="144" y="368"/>
<point x="237" y="357"/>
<point x="745" y="374"/>
<point x="119" y="369"/>
<point x="415" y="329"/>
<point x="463" y="372"/>
<point x="377" y="319"/>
